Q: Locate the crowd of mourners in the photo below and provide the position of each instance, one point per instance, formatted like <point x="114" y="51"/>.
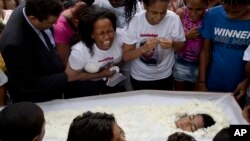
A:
<point x="60" y="49"/>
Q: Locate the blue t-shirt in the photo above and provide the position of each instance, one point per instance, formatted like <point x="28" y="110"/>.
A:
<point x="230" y="38"/>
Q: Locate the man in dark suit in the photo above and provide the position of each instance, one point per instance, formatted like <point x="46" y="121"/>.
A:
<point x="34" y="70"/>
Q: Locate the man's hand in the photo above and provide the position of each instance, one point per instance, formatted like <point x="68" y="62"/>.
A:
<point x="241" y="90"/>
<point x="246" y="113"/>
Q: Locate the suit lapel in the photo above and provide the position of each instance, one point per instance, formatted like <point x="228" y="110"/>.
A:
<point x="40" y="46"/>
<point x="52" y="56"/>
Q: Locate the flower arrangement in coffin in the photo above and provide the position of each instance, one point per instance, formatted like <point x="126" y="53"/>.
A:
<point x="143" y="122"/>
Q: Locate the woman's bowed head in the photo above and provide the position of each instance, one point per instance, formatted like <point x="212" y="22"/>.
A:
<point x="192" y="123"/>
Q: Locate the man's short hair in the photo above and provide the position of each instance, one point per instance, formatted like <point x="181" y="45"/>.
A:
<point x="21" y="122"/>
<point x="42" y="9"/>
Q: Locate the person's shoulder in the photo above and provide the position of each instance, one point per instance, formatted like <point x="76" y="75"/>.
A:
<point x="138" y="17"/>
<point x="215" y="10"/>
<point x="11" y="36"/>
<point x="171" y="15"/>
<point x="60" y="24"/>
<point x="61" y="19"/>
<point x="120" y="33"/>
<point x="79" y="45"/>
<point x="180" y="11"/>
<point x="102" y="3"/>
<point x="141" y="13"/>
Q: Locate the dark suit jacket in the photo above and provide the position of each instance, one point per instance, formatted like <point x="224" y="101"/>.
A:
<point x="34" y="73"/>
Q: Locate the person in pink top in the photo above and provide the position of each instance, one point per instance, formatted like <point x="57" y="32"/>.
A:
<point x="65" y="29"/>
<point x="185" y="70"/>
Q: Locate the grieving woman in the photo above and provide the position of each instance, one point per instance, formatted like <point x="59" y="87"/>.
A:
<point x="98" y="51"/>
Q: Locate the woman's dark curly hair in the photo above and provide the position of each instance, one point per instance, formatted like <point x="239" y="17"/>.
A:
<point x="88" y="18"/>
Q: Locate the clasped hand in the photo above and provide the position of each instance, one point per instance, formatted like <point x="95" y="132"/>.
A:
<point x="151" y="44"/>
<point x="192" y="33"/>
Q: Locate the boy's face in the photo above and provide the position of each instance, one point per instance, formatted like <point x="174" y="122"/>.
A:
<point x="236" y="11"/>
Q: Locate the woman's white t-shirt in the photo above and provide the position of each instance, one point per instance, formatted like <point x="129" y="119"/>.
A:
<point x="80" y="55"/>
<point x="160" y="65"/>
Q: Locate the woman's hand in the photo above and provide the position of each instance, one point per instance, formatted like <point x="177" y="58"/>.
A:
<point x="192" y="33"/>
<point x="200" y="86"/>
<point x="106" y="72"/>
<point x="166" y="43"/>
<point x="149" y="45"/>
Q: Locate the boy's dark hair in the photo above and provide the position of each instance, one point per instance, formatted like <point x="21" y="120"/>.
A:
<point x="207" y="120"/>
<point x="92" y="127"/>
<point x="233" y="2"/>
<point x="223" y="135"/>
<point x="87" y="20"/>
<point x="21" y="122"/>
<point x="42" y="9"/>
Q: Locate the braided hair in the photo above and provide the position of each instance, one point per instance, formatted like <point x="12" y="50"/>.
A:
<point x="130" y="9"/>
